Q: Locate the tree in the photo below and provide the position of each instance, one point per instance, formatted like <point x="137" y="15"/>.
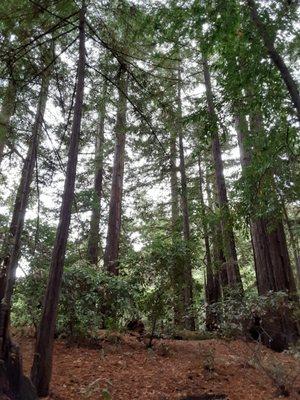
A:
<point x="212" y="292"/>
<point x="177" y="267"/>
<point x="42" y="364"/>
<point x="7" y="111"/>
<point x="115" y="206"/>
<point x="277" y="59"/>
<point x="94" y="237"/>
<point x="188" y="279"/>
<point x="272" y="263"/>
<point x="13" y="381"/>
<point x="10" y="249"/>
<point x="233" y="274"/>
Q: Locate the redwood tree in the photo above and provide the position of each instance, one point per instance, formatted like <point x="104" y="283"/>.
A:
<point x="111" y="254"/>
<point x="212" y="292"/>
<point x="188" y="279"/>
<point x="12" y="382"/>
<point x="93" y="248"/>
<point x="177" y="267"/>
<point x="271" y="257"/>
<point x="233" y="273"/>
<point x="7" y="111"/>
<point x="42" y="363"/>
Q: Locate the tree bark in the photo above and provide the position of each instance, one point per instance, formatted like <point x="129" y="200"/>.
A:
<point x="42" y="363"/>
<point x="7" y="111"/>
<point x="275" y="56"/>
<point x="212" y="284"/>
<point x="233" y="273"/>
<point x="11" y="247"/>
<point x="272" y="261"/>
<point x="111" y="254"/>
<point x="93" y="248"/>
<point x="271" y="258"/>
<point x="218" y="258"/>
<point x="12" y="381"/>
<point x="177" y="267"/>
<point x="293" y="242"/>
<point x="188" y="282"/>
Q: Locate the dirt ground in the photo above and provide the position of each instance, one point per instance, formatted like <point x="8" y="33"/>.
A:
<point x="123" y="369"/>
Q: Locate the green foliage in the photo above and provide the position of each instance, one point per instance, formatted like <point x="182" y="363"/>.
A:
<point x="236" y="317"/>
<point x="86" y="294"/>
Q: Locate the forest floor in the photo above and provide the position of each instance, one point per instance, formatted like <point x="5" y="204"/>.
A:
<point x="123" y="369"/>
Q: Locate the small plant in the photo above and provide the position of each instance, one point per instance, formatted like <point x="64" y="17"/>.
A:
<point x="294" y="350"/>
<point x="90" y="389"/>
<point x="282" y="378"/>
<point x="105" y="394"/>
<point x="209" y="362"/>
<point x="163" y="350"/>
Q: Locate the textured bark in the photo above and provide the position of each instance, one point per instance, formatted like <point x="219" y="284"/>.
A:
<point x="218" y="258"/>
<point x="11" y="248"/>
<point x="275" y="56"/>
<point x="111" y="254"/>
<point x="212" y="284"/>
<point x="293" y="242"/>
<point x="174" y="184"/>
<point x="188" y="281"/>
<point x="273" y="268"/>
<point x="93" y="248"/>
<point x="12" y="381"/>
<point x="177" y="267"/>
<point x="272" y="263"/>
<point x="42" y="363"/>
<point x="13" y="384"/>
<point x="7" y="111"/>
<point x="233" y="273"/>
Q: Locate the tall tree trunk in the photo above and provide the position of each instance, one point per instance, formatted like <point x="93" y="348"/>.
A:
<point x="11" y="245"/>
<point x="272" y="263"/>
<point x="188" y="282"/>
<point x="177" y="267"/>
<point x="233" y="273"/>
<point x="7" y="111"/>
<point x="275" y="56"/>
<point x="42" y="363"/>
<point x="111" y="254"/>
<point x="293" y="241"/>
<point x="93" y="248"/>
<point x="12" y="381"/>
<point x="212" y="283"/>
<point x="218" y="258"/>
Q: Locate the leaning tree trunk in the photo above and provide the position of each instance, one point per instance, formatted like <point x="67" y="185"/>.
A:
<point x="272" y="263"/>
<point x="212" y="283"/>
<point x="93" y="248"/>
<point x="111" y="254"/>
<point x="7" y="111"/>
<point x="188" y="281"/>
<point x="12" y="381"/>
<point x="42" y="363"/>
<point x="233" y="273"/>
<point x="275" y="56"/>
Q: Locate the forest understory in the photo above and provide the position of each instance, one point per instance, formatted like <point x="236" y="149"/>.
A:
<point x="122" y="368"/>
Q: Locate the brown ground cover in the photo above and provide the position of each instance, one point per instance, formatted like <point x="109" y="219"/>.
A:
<point x="123" y="369"/>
